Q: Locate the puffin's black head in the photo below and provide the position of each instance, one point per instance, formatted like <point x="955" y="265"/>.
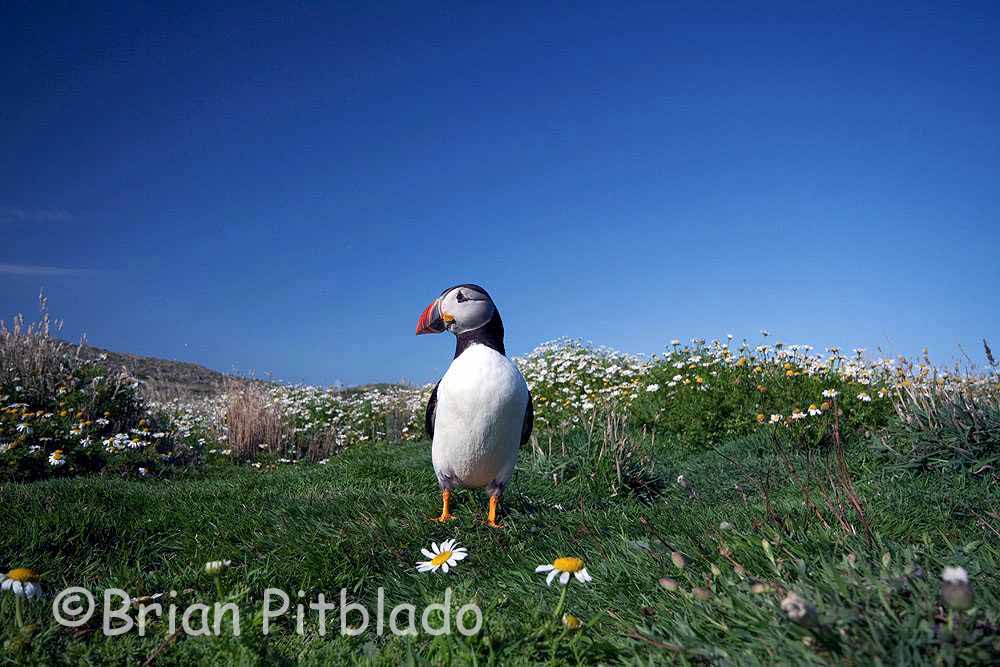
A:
<point x="459" y="309"/>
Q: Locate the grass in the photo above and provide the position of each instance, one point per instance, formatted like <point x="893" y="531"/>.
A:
<point x="359" y="522"/>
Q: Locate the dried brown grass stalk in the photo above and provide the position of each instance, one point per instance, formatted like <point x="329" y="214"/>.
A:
<point x="253" y="421"/>
<point x="826" y="486"/>
<point x="31" y="357"/>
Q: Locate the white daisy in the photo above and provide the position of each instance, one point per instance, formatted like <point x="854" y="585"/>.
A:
<point x="216" y="567"/>
<point x="443" y="557"/>
<point x="564" y="567"/>
<point x="56" y="459"/>
<point x="22" y="582"/>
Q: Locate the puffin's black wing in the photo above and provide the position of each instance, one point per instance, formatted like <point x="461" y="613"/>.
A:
<point x="429" y="415"/>
<point x="529" y="421"/>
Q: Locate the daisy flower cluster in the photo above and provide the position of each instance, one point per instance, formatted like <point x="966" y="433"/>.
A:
<point x="82" y="416"/>
<point x="569" y="379"/>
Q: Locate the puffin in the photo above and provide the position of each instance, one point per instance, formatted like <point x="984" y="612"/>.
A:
<point x="480" y="413"/>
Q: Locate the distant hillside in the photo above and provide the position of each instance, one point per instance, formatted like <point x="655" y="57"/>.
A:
<point x="163" y="378"/>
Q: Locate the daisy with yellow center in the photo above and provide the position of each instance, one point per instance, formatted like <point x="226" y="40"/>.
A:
<point x="23" y="583"/>
<point x="563" y="567"/>
<point x="441" y="557"/>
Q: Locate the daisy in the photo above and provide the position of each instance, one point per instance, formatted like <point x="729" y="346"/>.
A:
<point x="564" y="567"/>
<point x="441" y="557"/>
<point x="56" y="459"/>
<point x="214" y="568"/>
<point x="22" y="582"/>
<point x="830" y="393"/>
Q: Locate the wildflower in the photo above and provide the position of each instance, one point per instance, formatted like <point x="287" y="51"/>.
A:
<point x="864" y="397"/>
<point x="214" y="568"/>
<point x="563" y="567"/>
<point x="796" y="414"/>
<point x="22" y="582"/>
<point x="830" y="393"/>
<point x="444" y="557"/>
<point x="678" y="558"/>
<point x="56" y="459"/>
<point x="675" y="342"/>
<point x="760" y="418"/>
<point x="813" y="410"/>
<point x="776" y="418"/>
<point x="571" y="622"/>
<point x="653" y="387"/>
<point x="955" y="589"/>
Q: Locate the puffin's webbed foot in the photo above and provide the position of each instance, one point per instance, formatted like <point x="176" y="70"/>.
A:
<point x="491" y="520"/>
<point x="446" y="514"/>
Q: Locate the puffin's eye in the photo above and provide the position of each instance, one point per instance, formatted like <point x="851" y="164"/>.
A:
<point x="460" y="297"/>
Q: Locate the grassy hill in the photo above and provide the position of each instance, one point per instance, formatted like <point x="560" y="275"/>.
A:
<point x="163" y="377"/>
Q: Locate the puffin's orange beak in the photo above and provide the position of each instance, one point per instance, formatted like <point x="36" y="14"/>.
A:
<point x="431" y="320"/>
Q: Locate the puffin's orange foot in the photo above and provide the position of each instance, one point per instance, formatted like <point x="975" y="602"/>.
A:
<point x="446" y="514"/>
<point x="491" y="520"/>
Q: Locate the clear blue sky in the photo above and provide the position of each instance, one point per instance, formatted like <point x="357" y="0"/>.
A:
<point x="284" y="189"/>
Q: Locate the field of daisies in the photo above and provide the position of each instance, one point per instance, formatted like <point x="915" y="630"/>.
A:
<point x="719" y="502"/>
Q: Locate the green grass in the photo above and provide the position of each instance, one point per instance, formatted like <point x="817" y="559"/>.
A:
<point x="359" y="522"/>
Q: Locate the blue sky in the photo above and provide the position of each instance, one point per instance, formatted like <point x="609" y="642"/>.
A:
<point x="283" y="189"/>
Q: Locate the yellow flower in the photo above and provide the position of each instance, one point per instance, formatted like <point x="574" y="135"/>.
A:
<point x="563" y="567"/>
<point x="760" y="418"/>
<point x="571" y="622"/>
<point x="443" y="557"/>
<point x="22" y="582"/>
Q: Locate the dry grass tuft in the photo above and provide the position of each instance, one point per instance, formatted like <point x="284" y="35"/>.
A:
<point x="254" y="422"/>
<point x="30" y="357"/>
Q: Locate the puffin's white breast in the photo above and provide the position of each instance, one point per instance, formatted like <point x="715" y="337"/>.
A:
<point x="481" y="402"/>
